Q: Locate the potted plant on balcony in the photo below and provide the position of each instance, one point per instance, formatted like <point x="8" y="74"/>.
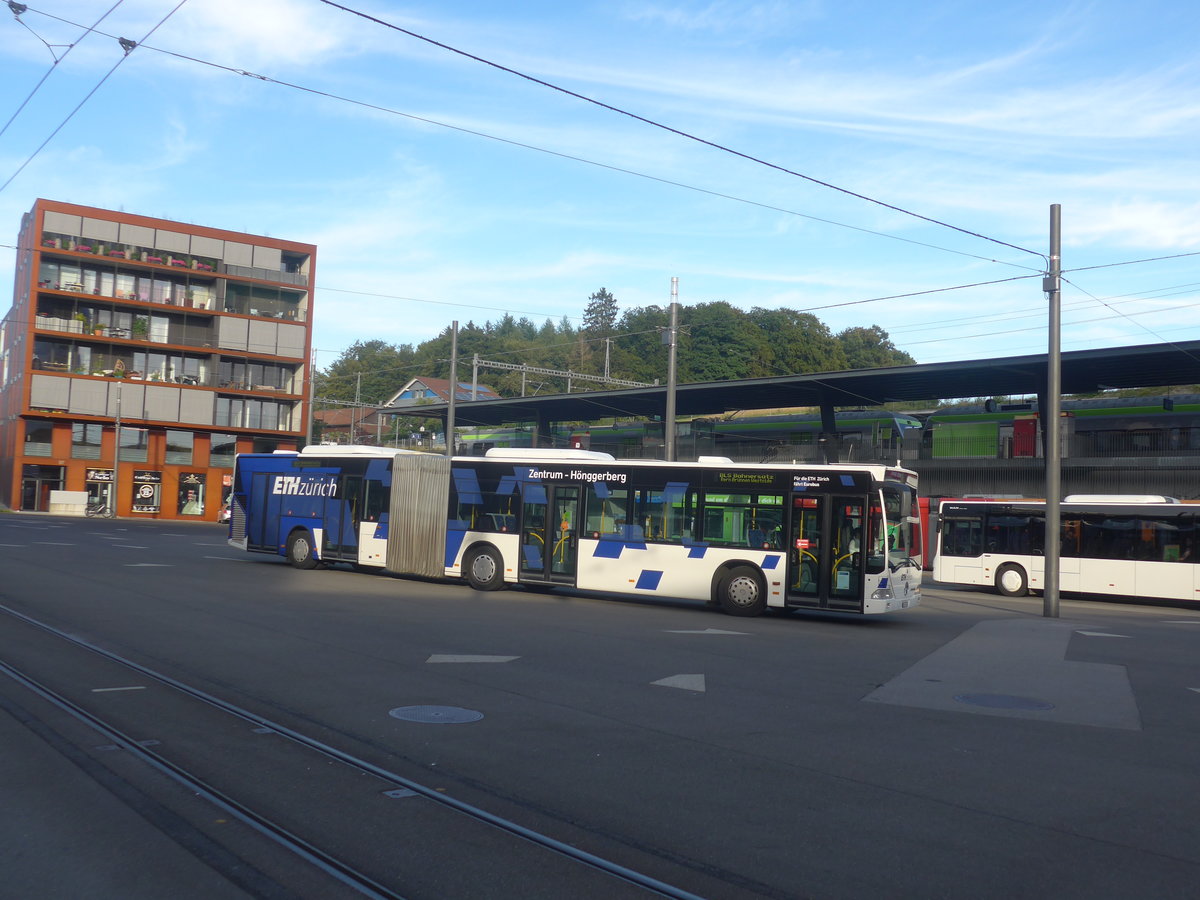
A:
<point x="81" y="323"/>
<point x="140" y="328"/>
<point x="98" y="329"/>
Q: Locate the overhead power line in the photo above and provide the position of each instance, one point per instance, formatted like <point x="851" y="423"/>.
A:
<point x="676" y="131"/>
<point x="127" y="45"/>
<point x="555" y="153"/>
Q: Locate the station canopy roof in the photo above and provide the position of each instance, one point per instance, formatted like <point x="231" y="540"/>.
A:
<point x="1082" y="371"/>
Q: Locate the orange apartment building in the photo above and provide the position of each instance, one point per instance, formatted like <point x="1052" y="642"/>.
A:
<point x="195" y="342"/>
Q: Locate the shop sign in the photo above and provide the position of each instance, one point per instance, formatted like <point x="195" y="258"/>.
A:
<point x="100" y="475"/>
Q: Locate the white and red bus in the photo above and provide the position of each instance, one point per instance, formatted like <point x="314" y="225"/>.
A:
<point x="1116" y="545"/>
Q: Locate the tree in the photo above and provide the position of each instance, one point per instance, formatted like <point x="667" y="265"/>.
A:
<point x="799" y="343"/>
<point x="719" y="343"/>
<point x="600" y="315"/>
<point x="370" y="370"/>
<point x="870" y="348"/>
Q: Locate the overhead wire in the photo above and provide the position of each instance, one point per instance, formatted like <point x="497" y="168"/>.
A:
<point x="625" y="171"/>
<point x="128" y="47"/>
<point x="679" y="132"/>
<point x="57" y="58"/>
<point x="560" y="155"/>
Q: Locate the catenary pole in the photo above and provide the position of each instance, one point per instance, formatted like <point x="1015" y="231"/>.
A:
<point x="453" y="390"/>
<point x="116" y="479"/>
<point x="672" y="342"/>
<point x="1053" y="450"/>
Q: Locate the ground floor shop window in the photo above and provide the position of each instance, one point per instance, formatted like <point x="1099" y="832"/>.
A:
<point x="147" y="491"/>
<point x="191" y="493"/>
<point x="99" y="487"/>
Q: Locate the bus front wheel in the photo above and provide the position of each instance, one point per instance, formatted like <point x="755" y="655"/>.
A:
<point x="483" y="569"/>
<point x="1011" y="581"/>
<point x="741" y="592"/>
<point x="300" y="551"/>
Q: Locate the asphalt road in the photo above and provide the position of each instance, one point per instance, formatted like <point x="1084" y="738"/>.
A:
<point x="969" y="748"/>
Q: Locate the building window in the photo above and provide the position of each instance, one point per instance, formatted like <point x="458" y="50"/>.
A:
<point x="179" y="447"/>
<point x="134" y="444"/>
<point x="224" y="449"/>
<point x="85" y="440"/>
<point x="38" y="437"/>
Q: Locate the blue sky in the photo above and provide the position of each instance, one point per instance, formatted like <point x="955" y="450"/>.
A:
<point x="468" y="192"/>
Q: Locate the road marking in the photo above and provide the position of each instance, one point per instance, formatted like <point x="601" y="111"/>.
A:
<point x="1197" y="690"/>
<point x="684" y="682"/>
<point x="1018" y="658"/>
<point x="56" y="543"/>
<point x="467" y="658"/>
<point x="702" y="631"/>
<point x="1182" y="622"/>
<point x="1102" y="634"/>
<point x="147" y="565"/>
<point x="132" y="687"/>
<point x="129" y="547"/>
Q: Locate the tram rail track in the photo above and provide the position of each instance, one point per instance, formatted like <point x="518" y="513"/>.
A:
<point x="348" y="874"/>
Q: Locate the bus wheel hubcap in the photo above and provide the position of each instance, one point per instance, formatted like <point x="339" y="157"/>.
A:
<point x="483" y="568"/>
<point x="743" y="591"/>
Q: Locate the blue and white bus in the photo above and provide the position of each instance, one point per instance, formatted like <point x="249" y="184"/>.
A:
<point x="743" y="537"/>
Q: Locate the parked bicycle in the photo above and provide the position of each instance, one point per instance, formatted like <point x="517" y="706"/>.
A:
<point x="98" y="508"/>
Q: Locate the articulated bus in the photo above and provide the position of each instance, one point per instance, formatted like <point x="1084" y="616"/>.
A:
<point x="1139" y="547"/>
<point x="742" y="537"/>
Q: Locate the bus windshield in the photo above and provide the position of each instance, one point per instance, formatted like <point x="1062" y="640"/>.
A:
<point x="900" y="525"/>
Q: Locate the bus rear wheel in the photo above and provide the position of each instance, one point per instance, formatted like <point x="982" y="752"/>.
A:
<point x="483" y="570"/>
<point x="741" y="592"/>
<point x="300" y="551"/>
<point x="1011" y="580"/>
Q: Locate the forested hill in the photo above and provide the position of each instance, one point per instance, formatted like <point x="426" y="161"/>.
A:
<point x="716" y="342"/>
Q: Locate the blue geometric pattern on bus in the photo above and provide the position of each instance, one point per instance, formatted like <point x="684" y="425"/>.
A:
<point x="770" y="562"/>
<point x="533" y="556"/>
<point x="600" y="489"/>
<point x="466" y="482"/>
<point x="695" y="551"/>
<point x="455" y="534"/>
<point x="381" y="528"/>
<point x="507" y="485"/>
<point x="848" y="481"/>
<point x="610" y="546"/>
<point x="648" y="580"/>
<point x="531" y="489"/>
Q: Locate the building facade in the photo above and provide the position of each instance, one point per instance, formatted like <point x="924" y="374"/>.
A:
<point x="141" y="355"/>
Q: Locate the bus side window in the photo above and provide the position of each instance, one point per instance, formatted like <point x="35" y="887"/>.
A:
<point x="962" y="537"/>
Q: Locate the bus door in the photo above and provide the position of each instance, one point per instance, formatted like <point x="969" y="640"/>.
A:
<point x="825" y="552"/>
<point x="806" y="550"/>
<point x="262" y="507"/>
<point x="550" y="534"/>
<point x="342" y="516"/>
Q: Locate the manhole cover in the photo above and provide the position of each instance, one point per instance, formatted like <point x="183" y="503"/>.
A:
<point x="435" y="715"/>
<point x="1003" y="701"/>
